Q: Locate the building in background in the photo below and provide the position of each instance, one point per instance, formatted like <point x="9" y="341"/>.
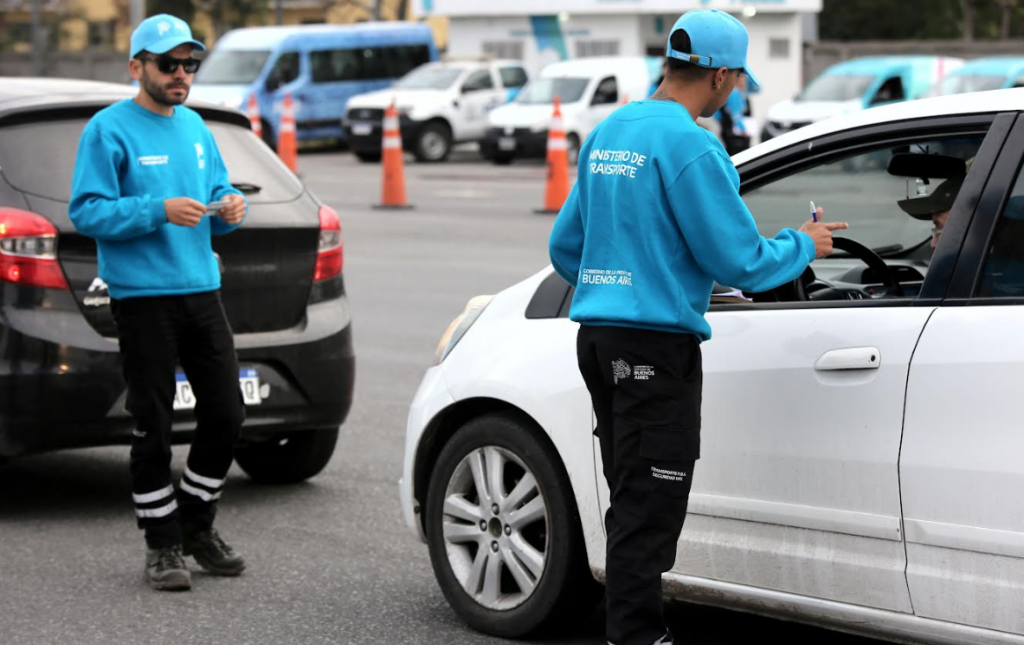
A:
<point x="539" y="32"/>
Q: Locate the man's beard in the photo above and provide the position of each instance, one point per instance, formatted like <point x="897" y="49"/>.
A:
<point x="160" y="94"/>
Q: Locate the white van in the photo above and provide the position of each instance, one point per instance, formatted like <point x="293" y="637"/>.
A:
<point x="439" y="104"/>
<point x="590" y="89"/>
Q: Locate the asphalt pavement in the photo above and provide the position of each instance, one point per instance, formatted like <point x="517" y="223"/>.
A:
<point x="331" y="561"/>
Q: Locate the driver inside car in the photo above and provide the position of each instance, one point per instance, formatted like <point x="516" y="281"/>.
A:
<point x="934" y="207"/>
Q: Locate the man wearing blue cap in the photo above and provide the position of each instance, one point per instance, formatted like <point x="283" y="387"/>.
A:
<point x="146" y="170"/>
<point x="655" y="219"/>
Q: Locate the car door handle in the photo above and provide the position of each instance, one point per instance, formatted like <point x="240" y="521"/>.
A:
<point x="854" y="358"/>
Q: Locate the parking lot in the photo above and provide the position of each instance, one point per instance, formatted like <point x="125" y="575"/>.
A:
<point x="330" y="560"/>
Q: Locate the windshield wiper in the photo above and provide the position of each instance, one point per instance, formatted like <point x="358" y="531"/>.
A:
<point x="246" y="188"/>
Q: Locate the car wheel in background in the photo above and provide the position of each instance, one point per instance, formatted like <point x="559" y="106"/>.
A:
<point x="433" y="143"/>
<point x="503" y="530"/>
<point x="368" y="157"/>
<point x="289" y="457"/>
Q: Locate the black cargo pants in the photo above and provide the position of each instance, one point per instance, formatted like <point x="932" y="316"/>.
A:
<point x="646" y="391"/>
<point x="156" y="334"/>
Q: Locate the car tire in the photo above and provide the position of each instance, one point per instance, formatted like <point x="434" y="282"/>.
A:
<point x="563" y="588"/>
<point x="289" y="457"/>
<point x="368" y="157"/>
<point x="572" y="149"/>
<point x="433" y="143"/>
<point x="268" y="135"/>
<point x="502" y="159"/>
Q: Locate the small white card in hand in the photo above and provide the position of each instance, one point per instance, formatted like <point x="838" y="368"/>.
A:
<point x="214" y="207"/>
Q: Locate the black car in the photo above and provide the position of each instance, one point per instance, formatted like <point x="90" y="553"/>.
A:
<point x="60" y="371"/>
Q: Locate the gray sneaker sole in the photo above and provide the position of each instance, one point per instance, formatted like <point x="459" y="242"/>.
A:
<point x="171" y="581"/>
<point x="212" y="568"/>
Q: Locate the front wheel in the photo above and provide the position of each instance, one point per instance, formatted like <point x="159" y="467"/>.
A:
<point x="433" y="143"/>
<point x="503" y="530"/>
<point x="289" y="457"/>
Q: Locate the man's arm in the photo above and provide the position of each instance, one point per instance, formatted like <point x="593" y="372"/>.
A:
<point x="97" y="208"/>
<point x="565" y="246"/>
<point x="721" y="232"/>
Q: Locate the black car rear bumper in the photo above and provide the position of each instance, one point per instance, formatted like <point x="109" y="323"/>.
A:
<point x="61" y="384"/>
<point x="527" y="144"/>
<point x="372" y="142"/>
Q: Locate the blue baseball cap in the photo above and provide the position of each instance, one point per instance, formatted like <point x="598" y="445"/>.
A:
<point x="717" y="40"/>
<point x="160" y="34"/>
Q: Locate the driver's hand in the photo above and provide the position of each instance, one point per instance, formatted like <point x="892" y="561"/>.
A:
<point x="821" y="233"/>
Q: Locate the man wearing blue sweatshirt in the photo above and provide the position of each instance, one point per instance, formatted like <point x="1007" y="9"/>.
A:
<point x="655" y="219"/>
<point x="147" y="169"/>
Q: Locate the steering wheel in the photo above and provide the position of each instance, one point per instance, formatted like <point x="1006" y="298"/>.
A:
<point x="874" y="262"/>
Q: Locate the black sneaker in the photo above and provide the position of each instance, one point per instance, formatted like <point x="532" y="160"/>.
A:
<point x="165" y="569"/>
<point x="213" y="554"/>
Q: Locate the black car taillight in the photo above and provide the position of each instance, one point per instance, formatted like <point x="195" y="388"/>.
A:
<point x="329" y="253"/>
<point x="28" y="250"/>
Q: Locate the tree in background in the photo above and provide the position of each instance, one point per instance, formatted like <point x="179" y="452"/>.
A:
<point x="921" y="19"/>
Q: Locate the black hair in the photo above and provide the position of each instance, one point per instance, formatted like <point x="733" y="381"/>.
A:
<point x="681" y="70"/>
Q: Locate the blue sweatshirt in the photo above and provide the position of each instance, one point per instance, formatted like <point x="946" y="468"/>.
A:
<point x="129" y="161"/>
<point x="655" y="219"/>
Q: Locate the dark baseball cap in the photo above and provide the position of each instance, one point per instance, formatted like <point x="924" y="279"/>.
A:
<point x="940" y="200"/>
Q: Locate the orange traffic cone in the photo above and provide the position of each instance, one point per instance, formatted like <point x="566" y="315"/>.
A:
<point x="286" y="146"/>
<point x="558" y="164"/>
<point x="253" y="109"/>
<point x="393" y="192"/>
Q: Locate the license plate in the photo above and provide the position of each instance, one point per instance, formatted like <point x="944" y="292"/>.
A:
<point x="248" y="381"/>
<point x="362" y="129"/>
<point x="506" y="143"/>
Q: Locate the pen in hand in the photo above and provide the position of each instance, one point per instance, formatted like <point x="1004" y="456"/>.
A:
<point x="814" y="212"/>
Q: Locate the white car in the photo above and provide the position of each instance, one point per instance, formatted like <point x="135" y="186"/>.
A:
<point x="439" y="104"/>
<point x="863" y="430"/>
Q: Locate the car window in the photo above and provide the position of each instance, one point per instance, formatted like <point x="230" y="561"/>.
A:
<point x="513" y="76"/>
<point x="231" y="67"/>
<point x="891" y="90"/>
<point x="39" y="158"/>
<point x="1003" y="273"/>
<point x="607" y="92"/>
<point x="366" y="63"/>
<point x="286" y="68"/>
<point x="859" y="190"/>
<point x="478" y="80"/>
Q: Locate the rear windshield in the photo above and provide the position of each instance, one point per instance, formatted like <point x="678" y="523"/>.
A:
<point x="39" y="158"/>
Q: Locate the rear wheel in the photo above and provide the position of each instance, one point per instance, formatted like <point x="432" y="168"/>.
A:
<point x="503" y="531"/>
<point x="289" y="457"/>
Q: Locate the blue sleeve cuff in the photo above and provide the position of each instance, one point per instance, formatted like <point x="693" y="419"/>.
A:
<point x="807" y="245"/>
<point x="156" y="212"/>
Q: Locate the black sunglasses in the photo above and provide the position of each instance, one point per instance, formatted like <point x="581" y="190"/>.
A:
<point x="169" y="64"/>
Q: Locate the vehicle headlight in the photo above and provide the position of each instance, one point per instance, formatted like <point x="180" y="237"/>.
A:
<point x="458" y="328"/>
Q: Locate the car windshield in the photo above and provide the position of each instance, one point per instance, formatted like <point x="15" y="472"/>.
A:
<point x="231" y="67"/>
<point x="836" y="87"/>
<point x="544" y="90"/>
<point x="961" y="84"/>
<point x="430" y="77"/>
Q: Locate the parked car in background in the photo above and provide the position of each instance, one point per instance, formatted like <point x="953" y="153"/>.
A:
<point x="60" y="369"/>
<point x="321" y="66"/>
<point x="439" y="104"/>
<point x="981" y="75"/>
<point x="861" y="426"/>
<point x="857" y="84"/>
<point x="589" y="89"/>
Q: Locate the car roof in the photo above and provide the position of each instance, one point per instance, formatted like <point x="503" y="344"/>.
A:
<point x="595" y="66"/>
<point x="876" y="65"/>
<point x="268" y="38"/>
<point x="26" y="95"/>
<point x="992" y="66"/>
<point x="992" y="102"/>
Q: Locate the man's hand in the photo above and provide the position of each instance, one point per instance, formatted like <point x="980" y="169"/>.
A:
<point x="234" y="212"/>
<point x="184" y="211"/>
<point x="821" y="233"/>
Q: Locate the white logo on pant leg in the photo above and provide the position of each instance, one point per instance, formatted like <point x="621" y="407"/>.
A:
<point x="199" y="156"/>
<point x="643" y="372"/>
<point x="620" y="369"/>
<point x="668" y="475"/>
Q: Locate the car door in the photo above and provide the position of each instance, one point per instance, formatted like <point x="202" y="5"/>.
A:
<point x="797" y="489"/>
<point x="961" y="469"/>
<point x="479" y="95"/>
<point x="603" y="102"/>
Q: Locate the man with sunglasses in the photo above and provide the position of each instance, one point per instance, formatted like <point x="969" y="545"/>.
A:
<point x="146" y="170"/>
